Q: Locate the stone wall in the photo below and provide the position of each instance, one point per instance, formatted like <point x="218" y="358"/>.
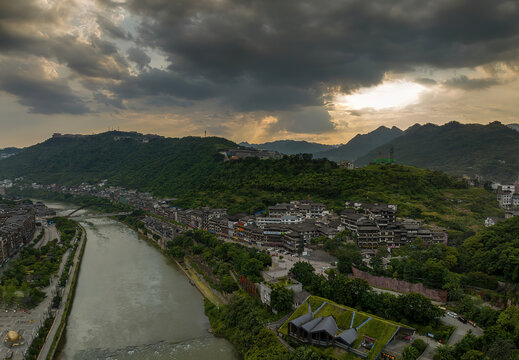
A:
<point x="400" y="285"/>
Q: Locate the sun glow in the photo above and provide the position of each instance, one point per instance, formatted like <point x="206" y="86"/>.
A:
<point x="396" y="94"/>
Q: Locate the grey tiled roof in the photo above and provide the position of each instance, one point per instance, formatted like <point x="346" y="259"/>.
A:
<point x="311" y="324"/>
<point x="348" y="336"/>
<point x="302" y="319"/>
<point x="328" y="325"/>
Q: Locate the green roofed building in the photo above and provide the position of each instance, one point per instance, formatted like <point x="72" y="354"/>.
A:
<point x="352" y="334"/>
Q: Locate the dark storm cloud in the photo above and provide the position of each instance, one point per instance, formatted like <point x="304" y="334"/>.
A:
<point x="27" y="81"/>
<point x="17" y="22"/>
<point x="139" y="57"/>
<point x="112" y="30"/>
<point x="98" y="58"/>
<point x="307" y="46"/>
<point x="314" y="120"/>
<point x="257" y="55"/>
<point x="160" y="82"/>
<point x="465" y="83"/>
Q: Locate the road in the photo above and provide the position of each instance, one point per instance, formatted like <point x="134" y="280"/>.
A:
<point x="461" y="329"/>
<point x="458" y="334"/>
<point x="50" y="234"/>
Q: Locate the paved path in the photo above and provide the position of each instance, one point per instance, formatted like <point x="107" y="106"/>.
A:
<point x="60" y="311"/>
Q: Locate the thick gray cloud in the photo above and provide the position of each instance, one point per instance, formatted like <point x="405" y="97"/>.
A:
<point x="98" y="58"/>
<point x="112" y="30"/>
<point x="139" y="57"/>
<point x="298" y="49"/>
<point x="27" y="80"/>
<point x="265" y="56"/>
<point x="465" y="83"/>
<point x="311" y="120"/>
<point x="161" y="82"/>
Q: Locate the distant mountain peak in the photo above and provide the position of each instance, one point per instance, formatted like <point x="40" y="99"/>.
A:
<point x="361" y="144"/>
<point x="290" y="147"/>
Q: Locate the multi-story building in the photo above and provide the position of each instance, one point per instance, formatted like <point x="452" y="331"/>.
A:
<point x="16" y="229"/>
<point x="376" y="225"/>
<point x="304" y="209"/>
<point x="504" y="198"/>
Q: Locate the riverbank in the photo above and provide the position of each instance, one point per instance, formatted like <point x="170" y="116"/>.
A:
<point x="54" y="336"/>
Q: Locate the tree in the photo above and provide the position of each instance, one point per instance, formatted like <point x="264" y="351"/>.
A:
<point x="228" y="284"/>
<point x="252" y="268"/>
<point x="473" y="355"/>
<point x="303" y="272"/>
<point x="348" y="256"/>
<point x="305" y="353"/>
<point x="410" y="353"/>
<point x="434" y="273"/>
<point x="281" y="299"/>
<point x="376" y="265"/>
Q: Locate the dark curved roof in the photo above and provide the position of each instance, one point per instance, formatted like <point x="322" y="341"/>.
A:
<point x="328" y="325"/>
<point x="348" y="336"/>
<point x="302" y="319"/>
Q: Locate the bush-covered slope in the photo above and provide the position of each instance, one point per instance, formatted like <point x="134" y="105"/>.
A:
<point x="495" y="250"/>
<point x="162" y="164"/>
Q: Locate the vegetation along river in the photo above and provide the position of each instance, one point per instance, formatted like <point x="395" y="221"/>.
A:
<point x="132" y="302"/>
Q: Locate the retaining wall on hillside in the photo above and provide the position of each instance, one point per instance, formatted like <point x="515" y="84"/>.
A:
<point x="400" y="285"/>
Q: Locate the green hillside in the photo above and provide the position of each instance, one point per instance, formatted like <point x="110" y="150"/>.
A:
<point x="166" y="165"/>
<point x="494" y="251"/>
<point x="488" y="150"/>
<point x="191" y="170"/>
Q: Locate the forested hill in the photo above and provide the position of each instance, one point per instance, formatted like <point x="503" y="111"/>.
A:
<point x="6" y="152"/>
<point x="495" y="250"/>
<point x="192" y="170"/>
<point x="489" y="150"/>
<point x="291" y="147"/>
<point x="129" y="159"/>
<point x="361" y="144"/>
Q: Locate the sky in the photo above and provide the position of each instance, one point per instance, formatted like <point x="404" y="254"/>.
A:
<point x="256" y="71"/>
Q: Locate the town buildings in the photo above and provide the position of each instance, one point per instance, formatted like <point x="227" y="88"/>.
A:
<point x="17" y="226"/>
<point x="290" y="225"/>
<point x="375" y="225"/>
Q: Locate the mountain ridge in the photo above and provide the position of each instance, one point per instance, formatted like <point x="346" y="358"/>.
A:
<point x="291" y="147"/>
<point x="361" y="144"/>
<point x="458" y="149"/>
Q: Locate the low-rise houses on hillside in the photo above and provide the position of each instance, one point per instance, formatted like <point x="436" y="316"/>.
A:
<point x="375" y="225"/>
<point x="291" y="225"/>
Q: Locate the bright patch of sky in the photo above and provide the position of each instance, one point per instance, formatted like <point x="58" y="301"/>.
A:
<point x="397" y="94"/>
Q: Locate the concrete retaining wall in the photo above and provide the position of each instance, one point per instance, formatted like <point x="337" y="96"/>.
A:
<point x="400" y="285"/>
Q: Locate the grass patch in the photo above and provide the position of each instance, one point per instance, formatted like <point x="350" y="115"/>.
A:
<point x="204" y="289"/>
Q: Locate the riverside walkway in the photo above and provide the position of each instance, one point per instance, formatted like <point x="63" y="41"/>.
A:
<point x="60" y="312"/>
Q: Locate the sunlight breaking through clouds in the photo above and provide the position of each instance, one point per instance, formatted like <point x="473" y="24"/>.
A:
<point x="396" y="94"/>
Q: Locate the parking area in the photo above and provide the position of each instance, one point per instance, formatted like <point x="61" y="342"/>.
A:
<point x="282" y="261"/>
<point x="461" y="329"/>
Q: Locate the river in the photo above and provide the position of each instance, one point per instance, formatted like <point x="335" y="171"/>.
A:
<point x="131" y="302"/>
